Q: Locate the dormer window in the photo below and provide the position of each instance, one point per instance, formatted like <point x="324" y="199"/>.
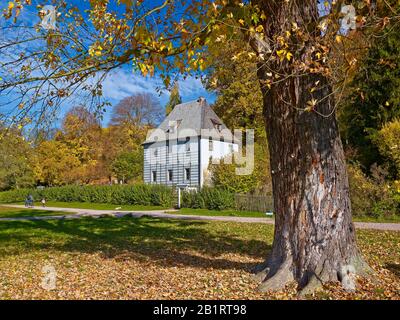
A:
<point x="173" y="126"/>
<point x="187" y="144"/>
<point x="217" y="125"/>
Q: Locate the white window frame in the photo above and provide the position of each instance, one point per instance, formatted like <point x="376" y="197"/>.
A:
<point x="170" y="178"/>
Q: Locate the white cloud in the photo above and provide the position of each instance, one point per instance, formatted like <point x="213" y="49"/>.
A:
<point x="122" y="83"/>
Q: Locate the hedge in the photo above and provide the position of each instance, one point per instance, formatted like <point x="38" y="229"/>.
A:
<point x="139" y="194"/>
<point x="209" y="198"/>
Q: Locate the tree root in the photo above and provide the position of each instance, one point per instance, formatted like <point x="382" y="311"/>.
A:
<point x="278" y="280"/>
<point x="313" y="284"/>
<point x="275" y="276"/>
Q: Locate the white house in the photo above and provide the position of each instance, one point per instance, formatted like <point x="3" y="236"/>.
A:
<point x="179" y="151"/>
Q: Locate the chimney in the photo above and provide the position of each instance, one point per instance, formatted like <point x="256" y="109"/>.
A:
<point x="201" y="100"/>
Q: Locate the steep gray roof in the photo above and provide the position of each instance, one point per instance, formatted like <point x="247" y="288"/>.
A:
<point x="190" y="119"/>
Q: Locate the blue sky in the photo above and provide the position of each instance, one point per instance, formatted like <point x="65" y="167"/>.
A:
<point x="123" y="82"/>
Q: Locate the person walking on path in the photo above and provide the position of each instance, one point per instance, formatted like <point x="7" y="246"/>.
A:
<point x="43" y="202"/>
<point x="30" y="201"/>
<point x="27" y="202"/>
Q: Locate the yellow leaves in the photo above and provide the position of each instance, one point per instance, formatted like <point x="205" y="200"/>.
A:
<point x="241" y="21"/>
<point x="260" y="28"/>
<point x="263" y="16"/>
<point x="311" y="105"/>
<point x="338" y="38"/>
<point x="281" y="54"/>
<point x="220" y="38"/>
<point x="146" y="69"/>
<point x="10" y="5"/>
<point x="284" y="54"/>
<point x="96" y="50"/>
<point x="201" y="64"/>
<point x="314" y="87"/>
<point x="190" y="53"/>
<point x="235" y="57"/>
<point x="214" y="82"/>
<point x="281" y="40"/>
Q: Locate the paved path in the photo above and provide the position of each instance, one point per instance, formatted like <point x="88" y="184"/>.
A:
<point x="78" y="213"/>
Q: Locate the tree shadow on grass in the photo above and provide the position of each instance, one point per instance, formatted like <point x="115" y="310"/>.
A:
<point x="166" y="242"/>
<point x="395" y="268"/>
<point x="23" y="213"/>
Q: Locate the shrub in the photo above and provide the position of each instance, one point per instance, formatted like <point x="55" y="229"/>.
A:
<point x="140" y="194"/>
<point x="209" y="198"/>
<point x="372" y="196"/>
<point x="388" y="142"/>
<point x="224" y="174"/>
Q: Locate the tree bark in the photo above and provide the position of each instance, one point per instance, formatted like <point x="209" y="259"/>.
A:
<point x="314" y="239"/>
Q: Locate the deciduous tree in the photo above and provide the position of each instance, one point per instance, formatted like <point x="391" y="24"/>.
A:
<point x="314" y="239"/>
<point x="16" y="160"/>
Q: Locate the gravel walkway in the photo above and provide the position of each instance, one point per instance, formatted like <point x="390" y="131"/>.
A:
<point x="78" y="213"/>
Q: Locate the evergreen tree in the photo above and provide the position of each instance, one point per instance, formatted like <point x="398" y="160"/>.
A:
<point x="174" y="99"/>
<point x="374" y="98"/>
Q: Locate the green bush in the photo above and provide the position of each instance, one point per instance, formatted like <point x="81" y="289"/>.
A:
<point x="373" y="196"/>
<point x="140" y="194"/>
<point x="209" y="198"/>
<point x="387" y="140"/>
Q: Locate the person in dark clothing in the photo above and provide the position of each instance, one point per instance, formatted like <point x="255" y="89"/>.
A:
<point x="30" y="201"/>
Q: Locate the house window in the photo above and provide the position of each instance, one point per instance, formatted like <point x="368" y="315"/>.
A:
<point x="187" y="173"/>
<point x="168" y="148"/>
<point x="156" y="152"/>
<point x="231" y="148"/>
<point x="217" y="125"/>
<point x="210" y="144"/>
<point x="154" y="176"/>
<point x="187" y="144"/>
<point x="170" y="175"/>
<point x="171" y="128"/>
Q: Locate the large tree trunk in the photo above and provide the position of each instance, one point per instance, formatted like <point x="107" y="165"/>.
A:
<point x="314" y="240"/>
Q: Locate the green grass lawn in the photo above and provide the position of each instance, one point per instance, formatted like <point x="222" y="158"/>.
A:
<point x="131" y="258"/>
<point x="98" y="206"/>
<point x="6" y="212"/>
<point x="392" y="219"/>
<point x="232" y="213"/>
<point x="252" y="214"/>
